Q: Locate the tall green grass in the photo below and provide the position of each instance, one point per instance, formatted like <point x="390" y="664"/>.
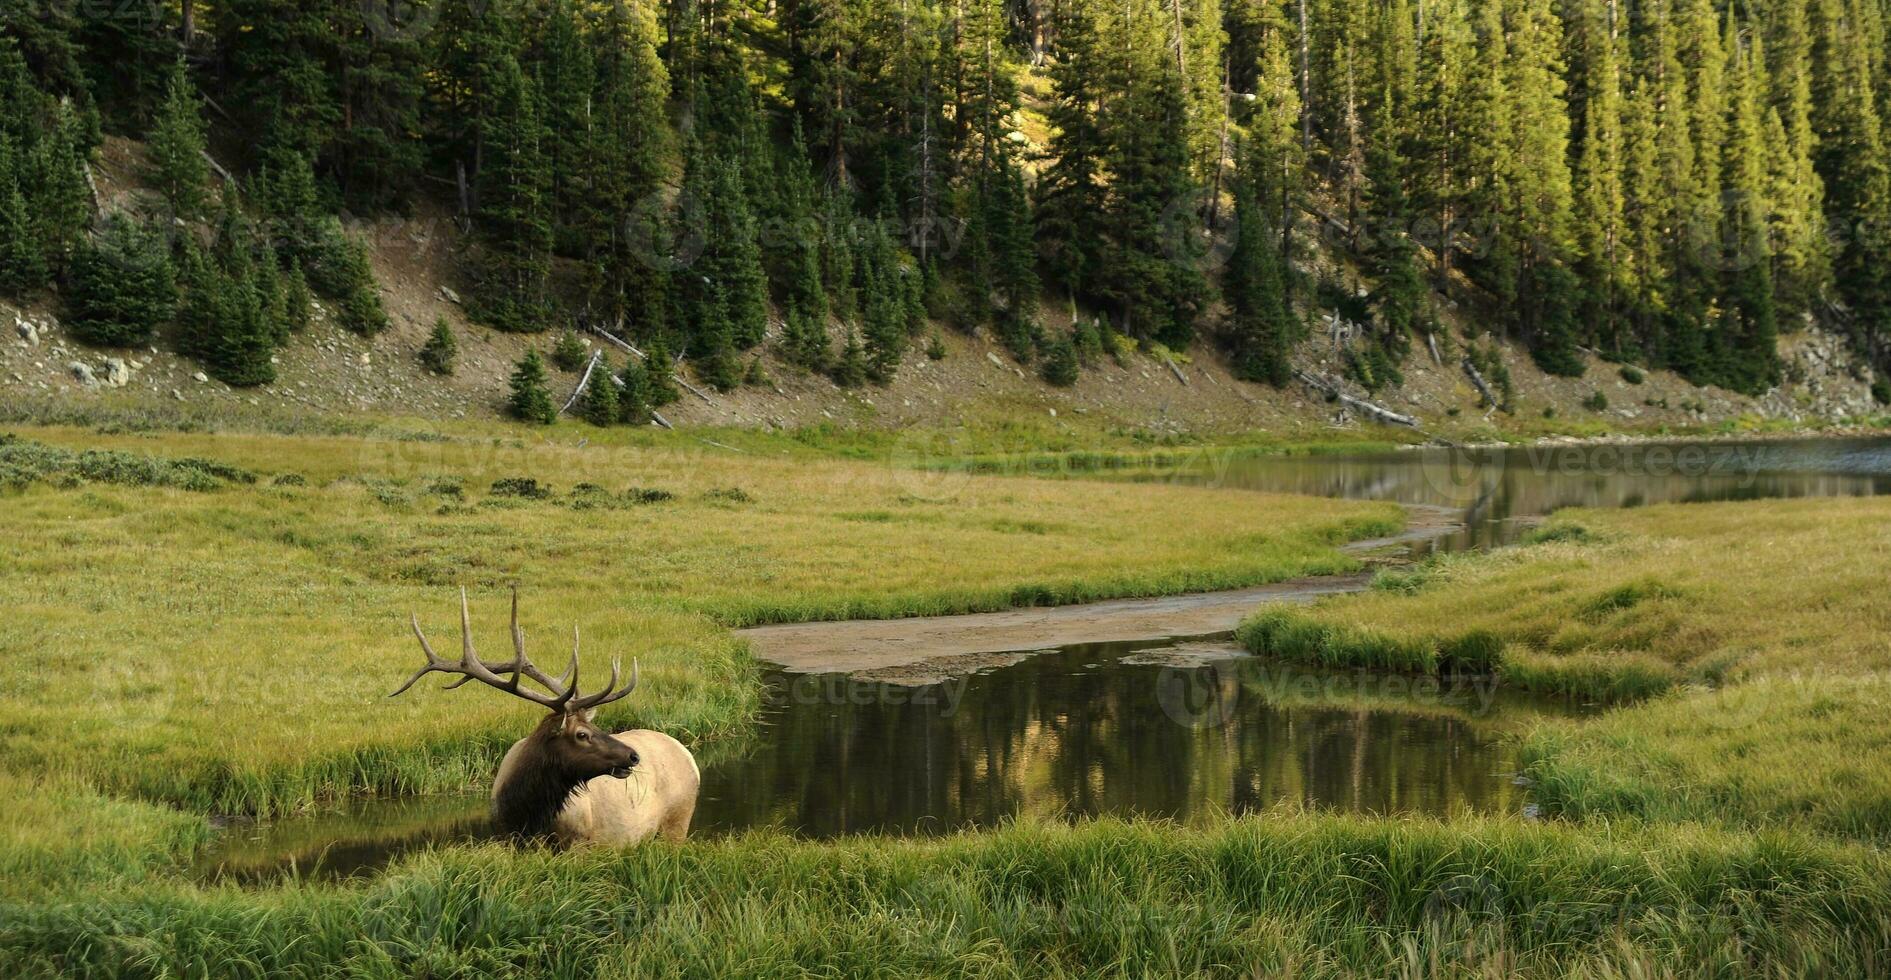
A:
<point x="1283" y="894"/>
<point x="1292" y="636"/>
<point x="1755" y="632"/>
<point x="1804" y="751"/>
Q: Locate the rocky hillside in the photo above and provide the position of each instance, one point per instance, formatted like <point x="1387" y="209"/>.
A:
<point x="328" y="370"/>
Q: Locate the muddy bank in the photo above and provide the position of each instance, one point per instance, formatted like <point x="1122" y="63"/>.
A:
<point x="924" y="649"/>
<point x="928" y="649"/>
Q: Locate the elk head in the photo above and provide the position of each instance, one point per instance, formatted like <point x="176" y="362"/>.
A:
<point x="565" y="750"/>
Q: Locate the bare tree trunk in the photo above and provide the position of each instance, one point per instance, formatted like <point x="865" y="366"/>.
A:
<point x="1369" y="409"/>
<point x="1306" y="81"/>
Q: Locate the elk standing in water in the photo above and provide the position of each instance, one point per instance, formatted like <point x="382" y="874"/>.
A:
<point x="569" y="778"/>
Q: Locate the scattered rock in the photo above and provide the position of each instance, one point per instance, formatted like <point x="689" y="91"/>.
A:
<point x="82" y="373"/>
<point x="201" y="378"/>
<point x="177" y="394"/>
<point x="29" y="331"/>
<point x="449" y="295"/>
<point x="117" y="374"/>
<point x="994" y="359"/>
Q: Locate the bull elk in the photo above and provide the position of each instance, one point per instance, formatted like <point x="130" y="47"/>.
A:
<point x="568" y="778"/>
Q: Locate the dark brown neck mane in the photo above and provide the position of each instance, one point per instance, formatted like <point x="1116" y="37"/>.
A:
<point x="528" y="802"/>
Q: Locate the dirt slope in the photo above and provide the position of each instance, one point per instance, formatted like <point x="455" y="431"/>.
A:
<point x="328" y="370"/>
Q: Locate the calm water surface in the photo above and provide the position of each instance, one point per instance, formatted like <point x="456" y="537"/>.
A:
<point x="1497" y="492"/>
<point x="1180" y="729"/>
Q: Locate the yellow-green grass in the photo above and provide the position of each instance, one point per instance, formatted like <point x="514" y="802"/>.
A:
<point x="229" y="650"/>
<point x="1757" y="633"/>
<point x="1281" y="894"/>
<point x="1637" y="601"/>
<point x="1777" y="750"/>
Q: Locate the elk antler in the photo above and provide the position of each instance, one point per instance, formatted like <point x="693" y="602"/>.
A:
<point x="564" y="689"/>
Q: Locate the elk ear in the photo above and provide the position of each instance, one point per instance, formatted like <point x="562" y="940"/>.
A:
<point x="590" y="715"/>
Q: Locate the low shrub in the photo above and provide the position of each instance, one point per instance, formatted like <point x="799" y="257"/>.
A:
<point x="523" y="487"/>
<point x="23" y="463"/>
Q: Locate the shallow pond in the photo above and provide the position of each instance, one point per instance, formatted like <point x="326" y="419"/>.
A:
<point x="1173" y="728"/>
<point x="1497" y="492"/>
<point x="1180" y="730"/>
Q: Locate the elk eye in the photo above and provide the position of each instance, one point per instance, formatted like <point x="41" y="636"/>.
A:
<point x="584" y="736"/>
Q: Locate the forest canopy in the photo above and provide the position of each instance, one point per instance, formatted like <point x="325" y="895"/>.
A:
<point x="1671" y="182"/>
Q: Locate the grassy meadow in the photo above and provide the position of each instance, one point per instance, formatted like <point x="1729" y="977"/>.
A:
<point x="210" y="622"/>
<point x="206" y="623"/>
<point x="1750" y="642"/>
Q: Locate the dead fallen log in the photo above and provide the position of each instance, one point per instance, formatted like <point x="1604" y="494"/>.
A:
<point x="218" y="167"/>
<point x="1366" y="408"/>
<point x="1478" y="382"/>
<point x="1179" y="376"/>
<point x="627" y="348"/>
<point x="596" y="356"/>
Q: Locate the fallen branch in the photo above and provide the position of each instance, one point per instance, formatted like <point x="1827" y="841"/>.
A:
<point x="625" y="346"/>
<point x="98" y="202"/>
<point x="1179" y="376"/>
<point x="596" y="356"/>
<point x="1375" y="411"/>
<point x="1431" y="341"/>
<point x="1478" y="382"/>
<point x="218" y="167"/>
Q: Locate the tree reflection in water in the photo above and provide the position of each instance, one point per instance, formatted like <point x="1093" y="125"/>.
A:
<point x="1099" y="729"/>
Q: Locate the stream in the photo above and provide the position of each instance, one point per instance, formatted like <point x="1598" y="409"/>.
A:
<point x="1134" y="707"/>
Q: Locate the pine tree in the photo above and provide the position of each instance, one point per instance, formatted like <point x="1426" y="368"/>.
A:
<point x="530" y="400"/>
<point x="725" y="292"/>
<point x="805" y="340"/>
<point x="1853" y="160"/>
<point x="200" y="301"/>
<point x="514" y="221"/>
<point x="629" y="156"/>
<point x="599" y="405"/>
<point x="658" y="367"/>
<point x="1398" y="293"/>
<point x="59" y="199"/>
<point x="242" y="337"/>
<point x="633" y="400"/>
<point x="884" y="324"/>
<point x="175" y="147"/>
<point x="1060" y="363"/>
<point x="569" y="353"/>
<point x="712" y="345"/>
<point x="1802" y="263"/>
<point x="120" y="288"/>
<point x="850" y="368"/>
<point x="1750" y="358"/>
<point x="1071" y="190"/>
<point x="441" y="348"/>
<point x="22" y="266"/>
<point x="565" y="70"/>
<point x="1260" y="331"/>
<point x="1600" y="198"/>
<point x="296" y="300"/>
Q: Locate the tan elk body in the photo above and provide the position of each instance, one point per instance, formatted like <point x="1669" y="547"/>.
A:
<point x="568" y="778"/>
